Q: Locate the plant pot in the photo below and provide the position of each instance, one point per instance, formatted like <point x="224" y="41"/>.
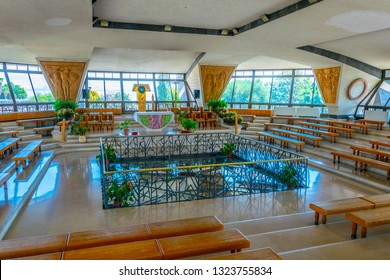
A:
<point x="185" y="131"/>
<point x="126" y="131"/>
<point x="134" y="133"/>
<point x="82" y="138"/>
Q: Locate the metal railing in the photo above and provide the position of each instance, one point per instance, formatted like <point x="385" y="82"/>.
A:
<point x="172" y="168"/>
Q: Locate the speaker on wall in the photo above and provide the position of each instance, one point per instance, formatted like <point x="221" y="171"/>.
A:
<point x="197" y="93"/>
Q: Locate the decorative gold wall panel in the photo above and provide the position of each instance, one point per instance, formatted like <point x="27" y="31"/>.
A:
<point x="64" y="78"/>
<point x="328" y="81"/>
<point x="214" y="80"/>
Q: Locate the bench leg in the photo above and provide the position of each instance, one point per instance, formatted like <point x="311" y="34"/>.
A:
<point x="354" y="230"/>
<point x="364" y="232"/>
<point x="323" y="219"/>
<point x="316" y="218"/>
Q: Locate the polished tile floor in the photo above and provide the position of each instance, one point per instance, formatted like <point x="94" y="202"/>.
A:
<point x="69" y="199"/>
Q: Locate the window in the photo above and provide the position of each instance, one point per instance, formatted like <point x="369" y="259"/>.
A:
<point x="280" y="93"/>
<point x="41" y="88"/>
<point x="21" y="88"/>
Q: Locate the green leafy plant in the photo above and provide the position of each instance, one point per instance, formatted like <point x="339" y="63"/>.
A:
<point x="189" y="124"/>
<point x="228" y="149"/>
<point x="217" y="104"/>
<point x="109" y="155"/>
<point x="122" y="194"/>
<point x="80" y="131"/>
<point x="124" y="125"/>
<point x="64" y="104"/>
<point x="288" y="176"/>
<point x="230" y="118"/>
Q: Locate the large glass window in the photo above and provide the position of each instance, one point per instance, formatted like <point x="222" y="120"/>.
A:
<point x="21" y="88"/>
<point x="5" y="95"/>
<point x="268" y="88"/>
<point x="41" y="88"/>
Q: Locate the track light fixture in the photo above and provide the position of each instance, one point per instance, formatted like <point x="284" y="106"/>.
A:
<point x="235" y="31"/>
<point x="264" y="18"/>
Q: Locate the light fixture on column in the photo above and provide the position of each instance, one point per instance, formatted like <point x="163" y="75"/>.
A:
<point x="235" y="31"/>
<point x="167" y="28"/>
<point x="264" y="18"/>
<point x="104" y="23"/>
<point x="224" y="32"/>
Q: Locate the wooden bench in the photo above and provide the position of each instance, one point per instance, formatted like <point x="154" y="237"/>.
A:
<point x="3" y="179"/>
<point x="332" y="135"/>
<point x="269" y="125"/>
<point x="284" y="141"/>
<point x="257" y="254"/>
<point x="115" y="235"/>
<point x="48" y="257"/>
<point x="378" y="124"/>
<point x="8" y="145"/>
<point x="27" y="153"/>
<point x="10" y="133"/>
<point x="377" y="143"/>
<point x="363" y="127"/>
<point x="363" y="161"/>
<point x="37" y="122"/>
<point x="202" y="243"/>
<point x="139" y="250"/>
<point x="379" y="154"/>
<point x="339" y="206"/>
<point x="300" y="136"/>
<point x="330" y="128"/>
<point x="31" y="246"/>
<point x="45" y="130"/>
<point x="368" y="218"/>
<point x="326" y="208"/>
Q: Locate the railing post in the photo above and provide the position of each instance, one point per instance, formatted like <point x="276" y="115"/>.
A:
<point x="63" y="130"/>
<point x="236" y="124"/>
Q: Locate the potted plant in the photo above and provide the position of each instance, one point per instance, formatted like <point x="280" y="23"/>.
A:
<point x="109" y="156"/>
<point x="125" y="126"/>
<point x="122" y="194"/>
<point x="189" y="125"/>
<point x="228" y="149"/>
<point x="288" y="176"/>
<point x="81" y="132"/>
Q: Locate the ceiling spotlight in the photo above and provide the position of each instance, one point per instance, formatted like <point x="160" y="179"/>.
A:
<point x="103" y="23"/>
<point x="235" y="31"/>
<point x="264" y="18"/>
<point x="168" y="28"/>
<point x="312" y="1"/>
<point x="224" y="32"/>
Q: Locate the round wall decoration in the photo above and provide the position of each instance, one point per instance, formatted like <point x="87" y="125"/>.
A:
<point x="356" y="88"/>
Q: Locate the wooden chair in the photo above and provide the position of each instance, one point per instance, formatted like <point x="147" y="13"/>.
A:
<point x="107" y="120"/>
<point x="197" y="116"/>
<point x="210" y="119"/>
<point x="94" y="121"/>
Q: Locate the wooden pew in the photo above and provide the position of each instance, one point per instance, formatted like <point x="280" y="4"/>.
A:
<point x="10" y="133"/>
<point x="27" y="153"/>
<point x="379" y="154"/>
<point x="8" y="145"/>
<point x="300" y="136"/>
<point x="377" y="143"/>
<point x="332" y="135"/>
<point x="44" y="257"/>
<point x="123" y="234"/>
<point x="139" y="250"/>
<point x="363" y="161"/>
<point x="348" y="131"/>
<point x="339" y="206"/>
<point x="257" y="254"/>
<point x="30" y="246"/>
<point x="38" y="122"/>
<point x="3" y="179"/>
<point x="45" y="130"/>
<point x="378" y="124"/>
<point x="284" y="141"/>
<point x="202" y="243"/>
<point x="368" y="218"/>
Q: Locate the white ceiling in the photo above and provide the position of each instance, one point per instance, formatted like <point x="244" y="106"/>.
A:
<point x="357" y="28"/>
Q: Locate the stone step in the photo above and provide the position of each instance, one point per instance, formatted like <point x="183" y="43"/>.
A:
<point x="10" y="128"/>
<point x="30" y="137"/>
<point x="7" y="124"/>
<point x="348" y="250"/>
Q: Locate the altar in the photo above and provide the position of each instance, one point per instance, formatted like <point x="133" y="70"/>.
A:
<point x="154" y="120"/>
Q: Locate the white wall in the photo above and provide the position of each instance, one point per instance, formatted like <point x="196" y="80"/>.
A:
<point x="193" y="81"/>
<point x="345" y="106"/>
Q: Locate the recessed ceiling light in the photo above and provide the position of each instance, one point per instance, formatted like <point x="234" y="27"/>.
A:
<point x="58" y="21"/>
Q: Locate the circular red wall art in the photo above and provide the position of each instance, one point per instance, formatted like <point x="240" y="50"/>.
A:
<point x="356" y="88"/>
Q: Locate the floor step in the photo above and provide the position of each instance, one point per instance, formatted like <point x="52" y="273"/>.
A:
<point x="10" y="128"/>
<point x="30" y="137"/>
